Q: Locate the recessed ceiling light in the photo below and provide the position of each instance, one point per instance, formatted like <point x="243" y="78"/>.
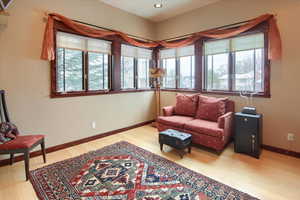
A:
<point x="158" y="5"/>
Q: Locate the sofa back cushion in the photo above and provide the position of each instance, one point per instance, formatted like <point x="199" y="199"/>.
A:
<point x="230" y="107"/>
<point x="211" y="108"/>
<point x="186" y="104"/>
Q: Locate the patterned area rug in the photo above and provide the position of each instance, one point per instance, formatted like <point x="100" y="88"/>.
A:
<point x="125" y="171"/>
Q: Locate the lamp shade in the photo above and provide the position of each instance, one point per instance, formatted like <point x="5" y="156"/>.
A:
<point x="157" y="72"/>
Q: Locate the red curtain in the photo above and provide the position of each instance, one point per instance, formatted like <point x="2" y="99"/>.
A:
<point x="275" y="50"/>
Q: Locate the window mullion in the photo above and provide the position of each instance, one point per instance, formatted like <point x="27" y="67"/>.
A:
<point x="212" y="71"/>
<point x="231" y="64"/>
<point x="191" y="70"/>
<point x="254" y="70"/>
<point x="135" y="74"/>
<point x="177" y="76"/>
<point x="64" y="64"/>
<point x="103" y="73"/>
<point x="85" y="71"/>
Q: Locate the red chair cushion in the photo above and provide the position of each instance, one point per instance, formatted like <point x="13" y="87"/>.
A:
<point x="204" y="127"/>
<point x="175" y="120"/>
<point x="21" y="142"/>
<point x="186" y="104"/>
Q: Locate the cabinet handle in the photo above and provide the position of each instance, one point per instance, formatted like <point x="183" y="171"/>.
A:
<point x="245" y="120"/>
<point x="253" y="142"/>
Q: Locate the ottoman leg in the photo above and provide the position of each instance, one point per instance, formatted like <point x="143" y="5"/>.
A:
<point x="161" y="146"/>
<point x="190" y="149"/>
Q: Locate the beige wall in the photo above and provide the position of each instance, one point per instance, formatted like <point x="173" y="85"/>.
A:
<point x="281" y="112"/>
<point x="27" y="78"/>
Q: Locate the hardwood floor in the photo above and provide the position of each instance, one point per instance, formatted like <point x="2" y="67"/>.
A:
<point x="273" y="176"/>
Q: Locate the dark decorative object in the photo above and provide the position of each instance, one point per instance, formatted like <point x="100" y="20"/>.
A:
<point x="176" y="139"/>
<point x="125" y="171"/>
<point x="248" y="134"/>
<point x="8" y="132"/>
<point x="18" y="144"/>
<point x="4" y="4"/>
<point x="249" y="109"/>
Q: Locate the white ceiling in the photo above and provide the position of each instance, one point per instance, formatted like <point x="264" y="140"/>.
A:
<point x="145" y="8"/>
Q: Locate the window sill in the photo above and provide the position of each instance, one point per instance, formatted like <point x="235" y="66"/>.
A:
<point x="93" y="93"/>
<point x="263" y="95"/>
<point x="179" y="90"/>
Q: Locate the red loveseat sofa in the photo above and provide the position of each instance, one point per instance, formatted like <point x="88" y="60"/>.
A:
<point x="213" y="133"/>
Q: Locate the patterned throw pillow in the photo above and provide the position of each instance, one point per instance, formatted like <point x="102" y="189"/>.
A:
<point x="211" y="108"/>
<point x="186" y="104"/>
<point x="8" y="131"/>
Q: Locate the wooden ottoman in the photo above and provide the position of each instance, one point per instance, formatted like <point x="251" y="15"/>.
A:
<point x="176" y="139"/>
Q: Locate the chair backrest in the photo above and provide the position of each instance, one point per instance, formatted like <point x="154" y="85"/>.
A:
<point x="4" y="117"/>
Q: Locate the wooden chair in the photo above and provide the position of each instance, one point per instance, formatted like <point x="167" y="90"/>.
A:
<point x="22" y="143"/>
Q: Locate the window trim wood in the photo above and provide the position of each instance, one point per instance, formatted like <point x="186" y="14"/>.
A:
<point x="114" y="72"/>
<point x="263" y="28"/>
<point x="200" y="69"/>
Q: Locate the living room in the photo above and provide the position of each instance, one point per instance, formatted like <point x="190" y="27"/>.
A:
<point x="128" y="107"/>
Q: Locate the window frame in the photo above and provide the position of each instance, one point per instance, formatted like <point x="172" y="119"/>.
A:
<point x="135" y="71"/>
<point x="177" y="73"/>
<point x="85" y="72"/>
<point x="199" y="67"/>
<point x="115" y="67"/>
<point x="114" y="72"/>
<point x="267" y="70"/>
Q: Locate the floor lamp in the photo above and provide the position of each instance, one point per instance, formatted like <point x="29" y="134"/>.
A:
<point x="157" y="74"/>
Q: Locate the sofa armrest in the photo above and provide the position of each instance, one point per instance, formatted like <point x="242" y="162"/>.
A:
<point x="226" y="122"/>
<point x="168" y="110"/>
<point x="223" y="118"/>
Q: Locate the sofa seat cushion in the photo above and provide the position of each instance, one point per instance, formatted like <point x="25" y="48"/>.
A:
<point x="175" y="120"/>
<point x="204" y="127"/>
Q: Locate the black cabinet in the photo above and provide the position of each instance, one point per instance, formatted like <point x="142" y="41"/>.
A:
<point x="248" y="134"/>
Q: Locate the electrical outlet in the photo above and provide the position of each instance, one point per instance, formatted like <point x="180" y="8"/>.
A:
<point x="290" y="136"/>
<point x="94" y="125"/>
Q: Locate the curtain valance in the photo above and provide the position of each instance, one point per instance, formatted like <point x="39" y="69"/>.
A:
<point x="48" y="51"/>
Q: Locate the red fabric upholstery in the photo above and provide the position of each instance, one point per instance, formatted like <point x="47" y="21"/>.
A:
<point x="168" y="110"/>
<point x="197" y="138"/>
<point x="21" y="142"/>
<point x="207" y="133"/>
<point x="175" y="120"/>
<point x="204" y="127"/>
<point x="230" y="106"/>
<point x="211" y="108"/>
<point x="221" y="120"/>
<point x="186" y="104"/>
<point x="208" y="141"/>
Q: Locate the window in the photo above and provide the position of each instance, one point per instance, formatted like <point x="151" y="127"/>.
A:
<point x="235" y="64"/>
<point x="82" y="64"/>
<point x="135" y="63"/>
<point x="179" y="65"/>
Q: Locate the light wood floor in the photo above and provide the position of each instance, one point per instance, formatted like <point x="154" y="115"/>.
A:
<point x="273" y="176"/>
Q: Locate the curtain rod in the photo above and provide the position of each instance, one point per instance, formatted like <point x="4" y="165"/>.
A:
<point x="220" y="27"/>
<point x="101" y="27"/>
<point x="133" y="36"/>
<point x="168" y="39"/>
